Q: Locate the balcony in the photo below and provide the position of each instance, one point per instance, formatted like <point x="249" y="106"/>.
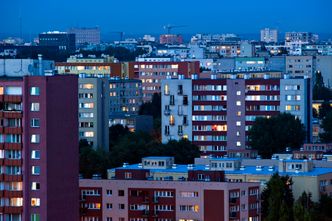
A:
<point x="13" y="162"/>
<point x="12" y="98"/>
<point x="233" y="200"/>
<point x="13" y="209"/>
<point x="13" y="146"/>
<point x="13" y="130"/>
<point x="13" y="193"/>
<point x="232" y="215"/>
<point x="12" y="178"/>
<point x="12" y="114"/>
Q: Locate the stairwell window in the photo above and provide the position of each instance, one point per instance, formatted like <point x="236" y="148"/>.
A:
<point x="35" y="107"/>
<point x="34" y="91"/>
<point x="35" y="138"/>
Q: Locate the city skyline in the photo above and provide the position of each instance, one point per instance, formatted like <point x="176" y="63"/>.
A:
<point x="147" y="17"/>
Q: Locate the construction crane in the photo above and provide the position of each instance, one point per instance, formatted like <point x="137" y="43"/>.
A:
<point x="121" y="33"/>
<point x="170" y="27"/>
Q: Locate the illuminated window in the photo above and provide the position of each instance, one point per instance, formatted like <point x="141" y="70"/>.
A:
<point x="238" y="92"/>
<point x="34" y="106"/>
<point x="171" y="120"/>
<point x="238" y="143"/>
<point x="35" y="122"/>
<point x="35" y="186"/>
<point x="238" y="103"/>
<point x="35" y="154"/>
<point x="1" y="90"/>
<point x="34" y="91"/>
<point x="89" y="134"/>
<point x="238" y="123"/>
<point x="35" y="138"/>
<point x="35" y="202"/>
<point x="86" y="86"/>
<point x="238" y="113"/>
<point x="16" y="202"/>
<point x="86" y="105"/>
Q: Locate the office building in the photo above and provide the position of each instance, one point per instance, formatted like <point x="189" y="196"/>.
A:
<point x="39" y="148"/>
<point x="94" y="102"/>
<point x="269" y="35"/>
<point x="152" y="73"/>
<point x="86" y="35"/>
<point x="224" y="107"/>
<point x="63" y="40"/>
<point x="136" y="192"/>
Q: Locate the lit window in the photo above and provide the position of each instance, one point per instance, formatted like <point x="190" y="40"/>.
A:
<point x="35" y="186"/>
<point x="35" y="202"/>
<point x="34" y="106"/>
<point x="35" y="154"/>
<point x="238" y="103"/>
<point x="238" y="113"/>
<point x="238" y="143"/>
<point x="35" y="170"/>
<point x="89" y="134"/>
<point x="86" y="86"/>
<point x="238" y="92"/>
<point x="237" y="133"/>
<point x="171" y="120"/>
<point x="35" y="138"/>
<point x="238" y="123"/>
<point x="34" y="91"/>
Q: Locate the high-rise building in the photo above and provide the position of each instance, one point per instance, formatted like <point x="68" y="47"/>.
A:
<point x="63" y="40"/>
<point x="38" y="148"/>
<point x="137" y="192"/>
<point x="224" y="107"/>
<point x="86" y="35"/>
<point x="269" y="35"/>
<point x="94" y="101"/>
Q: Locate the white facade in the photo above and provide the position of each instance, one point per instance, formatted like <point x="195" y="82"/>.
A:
<point x="269" y="35"/>
<point x="176" y="102"/>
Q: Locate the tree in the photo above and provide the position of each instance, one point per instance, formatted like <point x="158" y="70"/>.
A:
<point x="116" y="132"/>
<point x="304" y="208"/>
<point x="326" y="136"/>
<point x="272" y="135"/>
<point x="152" y="108"/>
<point x="93" y="161"/>
<point x="324" y="109"/>
<point x="277" y="199"/>
<point x="320" y="92"/>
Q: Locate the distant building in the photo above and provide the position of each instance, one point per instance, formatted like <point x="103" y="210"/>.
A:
<point x="246" y="49"/>
<point x="39" y="148"/>
<point x="249" y="63"/>
<point x="295" y="40"/>
<point x="269" y="35"/>
<point x="63" y="40"/>
<point x="170" y="39"/>
<point x="94" y="101"/>
<point x="324" y="66"/>
<point x="139" y="192"/>
<point x="86" y="35"/>
<point x="133" y="122"/>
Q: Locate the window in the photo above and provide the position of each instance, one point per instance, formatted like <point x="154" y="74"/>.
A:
<point x="35" y="202"/>
<point x="35" y="154"/>
<point x="35" y="122"/>
<point x="34" y="106"/>
<point x="238" y="123"/>
<point x="35" y="138"/>
<point x="121" y="206"/>
<point x="171" y="120"/>
<point x="185" y="100"/>
<point x="238" y="143"/>
<point x="238" y="103"/>
<point x="109" y="219"/>
<point x="34" y="91"/>
<point x="121" y="192"/>
<point x="238" y="93"/>
<point x="109" y="205"/>
<point x="109" y="192"/>
<point x="128" y="175"/>
<point x="86" y="86"/>
<point x="35" y="217"/>
<point x="35" y="186"/>
<point x="171" y="100"/>
<point x="12" y="90"/>
<point x="35" y="170"/>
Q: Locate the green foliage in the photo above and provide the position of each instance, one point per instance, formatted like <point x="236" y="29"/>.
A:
<point x="324" y="109"/>
<point x="326" y="136"/>
<point x="152" y="108"/>
<point x="116" y="132"/>
<point x="320" y="92"/>
<point x="277" y="199"/>
<point x="92" y="161"/>
<point x="304" y="208"/>
<point x="272" y="135"/>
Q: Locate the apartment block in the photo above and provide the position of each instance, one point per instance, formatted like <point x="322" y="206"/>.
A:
<point x="300" y="66"/>
<point x="125" y="96"/>
<point x="152" y="73"/>
<point x="269" y="35"/>
<point x="225" y="106"/>
<point x="96" y="66"/>
<point x="94" y="102"/>
<point x="135" y="194"/>
<point x="38" y="130"/>
<point x="294" y="41"/>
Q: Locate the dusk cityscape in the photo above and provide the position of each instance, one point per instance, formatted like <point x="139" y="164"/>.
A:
<point x="166" y="111"/>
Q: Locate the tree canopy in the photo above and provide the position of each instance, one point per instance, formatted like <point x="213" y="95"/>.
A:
<point x="272" y="135"/>
<point x="277" y="199"/>
<point x="320" y="92"/>
<point x="326" y="136"/>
